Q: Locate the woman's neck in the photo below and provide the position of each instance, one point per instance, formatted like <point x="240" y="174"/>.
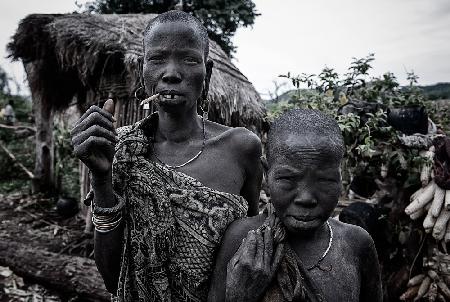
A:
<point x="178" y="127"/>
<point x="308" y="237"/>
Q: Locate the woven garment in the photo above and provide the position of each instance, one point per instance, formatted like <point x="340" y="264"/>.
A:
<point x="174" y="224"/>
<point x="291" y="282"/>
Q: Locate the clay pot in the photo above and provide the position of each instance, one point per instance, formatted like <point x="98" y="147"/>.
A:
<point x="67" y="207"/>
<point x="409" y="119"/>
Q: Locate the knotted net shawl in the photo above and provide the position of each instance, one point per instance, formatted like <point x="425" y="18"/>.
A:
<point x="291" y="282"/>
<point x="174" y="225"/>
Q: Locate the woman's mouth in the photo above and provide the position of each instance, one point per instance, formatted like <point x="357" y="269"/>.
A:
<point x="302" y="218"/>
<point x="170" y="94"/>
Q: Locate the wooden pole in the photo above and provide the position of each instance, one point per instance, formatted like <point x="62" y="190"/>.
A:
<point x="44" y="180"/>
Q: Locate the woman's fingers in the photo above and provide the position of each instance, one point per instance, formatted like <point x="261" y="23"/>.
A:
<point x="278" y="256"/>
<point x="94" y="130"/>
<point x="95" y="118"/>
<point x="250" y="248"/>
<point x="258" y="261"/>
<point x="235" y="259"/>
<point x="268" y="247"/>
<point x="84" y="149"/>
<point x="99" y="110"/>
<point x="109" y="107"/>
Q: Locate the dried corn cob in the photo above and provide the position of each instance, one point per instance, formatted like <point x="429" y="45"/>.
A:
<point x="432" y="274"/>
<point x="440" y="227"/>
<point x="410" y="293"/>
<point x="424" y="286"/>
<point x="417" y="214"/>
<point x="444" y="289"/>
<point x="425" y="174"/>
<point x="416" y="280"/>
<point x="428" y="222"/>
<point x="421" y="199"/>
<point x="447" y="234"/>
<point x="432" y="292"/>
<point x="440" y="298"/>
<point x="438" y="201"/>
<point x="447" y="199"/>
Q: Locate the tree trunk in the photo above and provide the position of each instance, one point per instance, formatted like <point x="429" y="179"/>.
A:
<point x="44" y="180"/>
<point x="70" y="275"/>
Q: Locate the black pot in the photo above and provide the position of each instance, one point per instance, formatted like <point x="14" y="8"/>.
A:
<point x="409" y="120"/>
<point x="67" y="207"/>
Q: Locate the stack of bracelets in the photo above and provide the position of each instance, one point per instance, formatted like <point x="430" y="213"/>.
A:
<point x="107" y="219"/>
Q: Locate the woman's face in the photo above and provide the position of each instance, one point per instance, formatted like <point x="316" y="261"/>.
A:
<point x="304" y="182"/>
<point x="174" y="65"/>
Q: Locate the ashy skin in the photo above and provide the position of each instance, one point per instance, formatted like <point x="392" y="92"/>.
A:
<point x="305" y="184"/>
<point x="173" y="61"/>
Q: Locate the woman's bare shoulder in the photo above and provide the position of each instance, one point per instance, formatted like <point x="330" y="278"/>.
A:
<point x="356" y="237"/>
<point x="240" y="139"/>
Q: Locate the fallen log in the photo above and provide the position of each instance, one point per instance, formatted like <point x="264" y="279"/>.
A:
<point x="15" y="128"/>
<point x="70" y="275"/>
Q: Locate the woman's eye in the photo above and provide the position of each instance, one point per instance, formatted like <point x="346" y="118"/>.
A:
<point x="285" y="179"/>
<point x="327" y="179"/>
<point x="191" y="60"/>
<point x="155" y="59"/>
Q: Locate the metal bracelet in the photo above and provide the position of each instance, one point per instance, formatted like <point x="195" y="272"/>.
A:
<point x="108" y="224"/>
<point x="102" y="219"/>
<point x="110" y="210"/>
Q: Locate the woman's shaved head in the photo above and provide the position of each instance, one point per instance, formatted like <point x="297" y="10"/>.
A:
<point x="311" y="128"/>
<point x="180" y="16"/>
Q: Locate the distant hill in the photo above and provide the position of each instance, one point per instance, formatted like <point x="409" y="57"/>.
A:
<point x="437" y="91"/>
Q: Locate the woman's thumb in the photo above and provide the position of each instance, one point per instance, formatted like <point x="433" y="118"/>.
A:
<point x="109" y="106"/>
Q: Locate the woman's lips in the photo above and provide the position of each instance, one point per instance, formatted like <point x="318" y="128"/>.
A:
<point x="303" y="218"/>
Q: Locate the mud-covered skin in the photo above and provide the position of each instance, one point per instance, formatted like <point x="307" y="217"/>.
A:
<point x="305" y="184"/>
<point x="354" y="276"/>
<point x="173" y="60"/>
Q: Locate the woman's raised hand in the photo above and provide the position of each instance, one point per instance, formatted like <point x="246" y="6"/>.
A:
<point x="94" y="138"/>
<point x="252" y="268"/>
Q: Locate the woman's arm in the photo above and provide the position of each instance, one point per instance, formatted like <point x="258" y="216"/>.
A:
<point x="244" y="266"/>
<point x="371" y="290"/>
<point x="94" y="138"/>
<point x="250" y="153"/>
<point x="107" y="246"/>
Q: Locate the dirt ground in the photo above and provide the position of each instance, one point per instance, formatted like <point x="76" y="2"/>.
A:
<point x="33" y="220"/>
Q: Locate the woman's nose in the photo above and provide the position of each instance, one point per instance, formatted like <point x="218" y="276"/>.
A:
<point x="171" y="74"/>
<point x="305" y="198"/>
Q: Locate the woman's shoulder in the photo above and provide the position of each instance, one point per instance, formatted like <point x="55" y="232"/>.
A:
<point x="355" y="237"/>
<point x="238" y="230"/>
<point x="240" y="139"/>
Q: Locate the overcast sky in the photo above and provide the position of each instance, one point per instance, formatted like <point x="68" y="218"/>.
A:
<point x="304" y="36"/>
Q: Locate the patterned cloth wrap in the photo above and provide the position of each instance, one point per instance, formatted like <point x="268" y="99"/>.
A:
<point x="291" y="282"/>
<point x="173" y="224"/>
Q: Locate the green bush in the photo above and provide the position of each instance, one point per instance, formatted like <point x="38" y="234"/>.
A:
<point x="371" y="143"/>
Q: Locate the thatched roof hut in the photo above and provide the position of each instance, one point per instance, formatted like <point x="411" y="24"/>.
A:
<point x="102" y="53"/>
<point x="88" y="58"/>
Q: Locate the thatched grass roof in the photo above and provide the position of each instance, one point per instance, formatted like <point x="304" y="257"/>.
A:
<point x="70" y="55"/>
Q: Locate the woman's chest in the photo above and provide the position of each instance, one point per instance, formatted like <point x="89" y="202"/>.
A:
<point x="338" y="277"/>
<point x="217" y="168"/>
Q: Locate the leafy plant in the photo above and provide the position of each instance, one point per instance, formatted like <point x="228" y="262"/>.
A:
<point x="66" y="164"/>
<point x="370" y="141"/>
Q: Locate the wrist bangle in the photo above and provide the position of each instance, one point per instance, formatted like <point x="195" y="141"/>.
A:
<point x="110" y="210"/>
<point x="106" y="223"/>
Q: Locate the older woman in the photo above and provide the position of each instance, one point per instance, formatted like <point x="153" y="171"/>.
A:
<point x="166" y="188"/>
